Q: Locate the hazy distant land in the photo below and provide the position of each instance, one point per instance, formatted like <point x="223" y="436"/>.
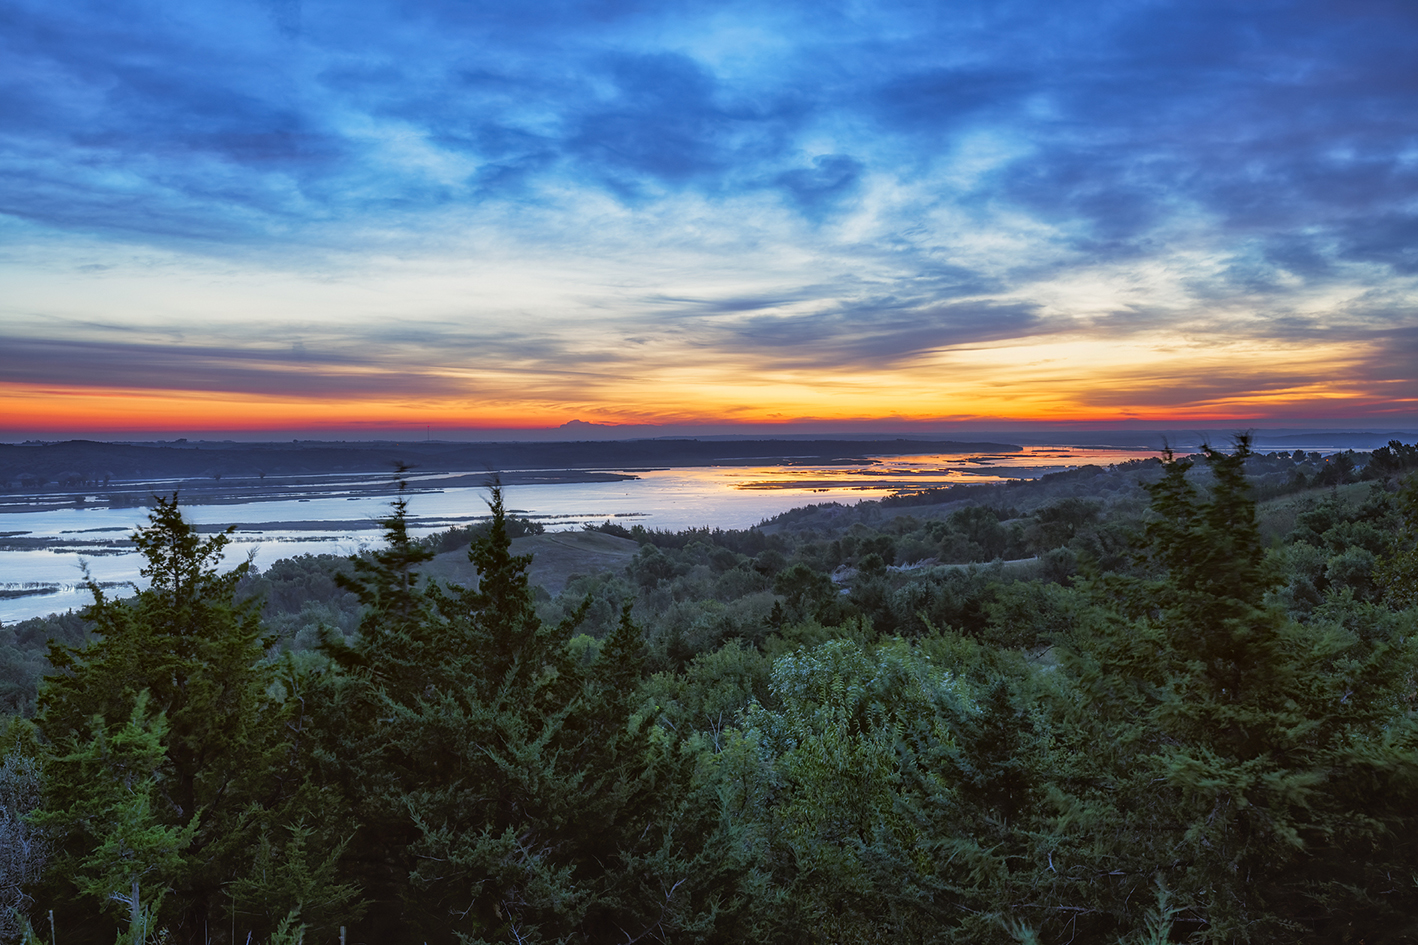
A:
<point x="35" y="476"/>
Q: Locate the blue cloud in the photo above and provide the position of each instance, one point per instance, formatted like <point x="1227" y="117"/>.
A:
<point x="830" y="180"/>
<point x="941" y="99"/>
<point x="1220" y="103"/>
<point x="1388" y="238"/>
<point x="662" y="122"/>
<point x="872" y="333"/>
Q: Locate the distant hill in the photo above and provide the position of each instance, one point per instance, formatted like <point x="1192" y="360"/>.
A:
<point x="556" y="556"/>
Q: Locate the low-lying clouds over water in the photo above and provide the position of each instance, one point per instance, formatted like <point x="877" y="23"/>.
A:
<point x="516" y="214"/>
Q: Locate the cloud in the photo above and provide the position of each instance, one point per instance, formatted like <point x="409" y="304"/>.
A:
<point x="830" y="181"/>
<point x="938" y="100"/>
<point x="875" y="334"/>
<point x="207" y="368"/>
<point x="114" y="118"/>
<point x="1390" y="239"/>
<point x="800" y="186"/>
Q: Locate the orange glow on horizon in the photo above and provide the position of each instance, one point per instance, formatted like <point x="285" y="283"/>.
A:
<point x="1068" y="381"/>
<point x="49" y="412"/>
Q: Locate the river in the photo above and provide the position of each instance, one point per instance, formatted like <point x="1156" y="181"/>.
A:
<point x="61" y="542"/>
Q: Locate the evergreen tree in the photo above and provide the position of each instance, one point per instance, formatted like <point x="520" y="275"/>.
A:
<point x="225" y="769"/>
<point x="368" y="749"/>
<point x="129" y="856"/>
<point x="528" y="842"/>
<point x="1397" y="573"/>
<point x="1236" y="742"/>
<point x="492" y="774"/>
<point x="386" y="583"/>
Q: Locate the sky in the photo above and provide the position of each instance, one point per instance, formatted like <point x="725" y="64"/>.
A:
<point x="356" y="218"/>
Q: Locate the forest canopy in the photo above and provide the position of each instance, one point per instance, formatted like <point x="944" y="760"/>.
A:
<point x="1162" y="702"/>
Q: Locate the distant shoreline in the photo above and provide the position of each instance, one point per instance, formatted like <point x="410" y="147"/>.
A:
<point x="36" y="477"/>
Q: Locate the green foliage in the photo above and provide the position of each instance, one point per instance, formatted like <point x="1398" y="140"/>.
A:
<point x="1055" y="525"/>
<point x="197" y="658"/>
<point x="22" y="661"/>
<point x="1175" y="724"/>
<point x="981" y="533"/>
<point x="24" y="845"/>
<point x="849" y="728"/>
<point x="806" y="591"/>
<point x="1243" y="739"/>
<point x="299" y="595"/>
<point x="500" y="782"/>
<point x="127" y="854"/>
<point x="879" y="800"/>
<point x="386" y="581"/>
<point x="290" y="931"/>
<point x="1392" y="460"/>
<point x="293" y="875"/>
<point x="460" y="537"/>
<point x="603" y="597"/>
<point x="712" y="692"/>
<point x="1397" y="573"/>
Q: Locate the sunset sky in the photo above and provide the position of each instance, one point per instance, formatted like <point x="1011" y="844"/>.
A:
<point x="361" y="218"/>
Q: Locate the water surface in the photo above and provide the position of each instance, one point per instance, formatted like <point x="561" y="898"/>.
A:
<point x="336" y="522"/>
